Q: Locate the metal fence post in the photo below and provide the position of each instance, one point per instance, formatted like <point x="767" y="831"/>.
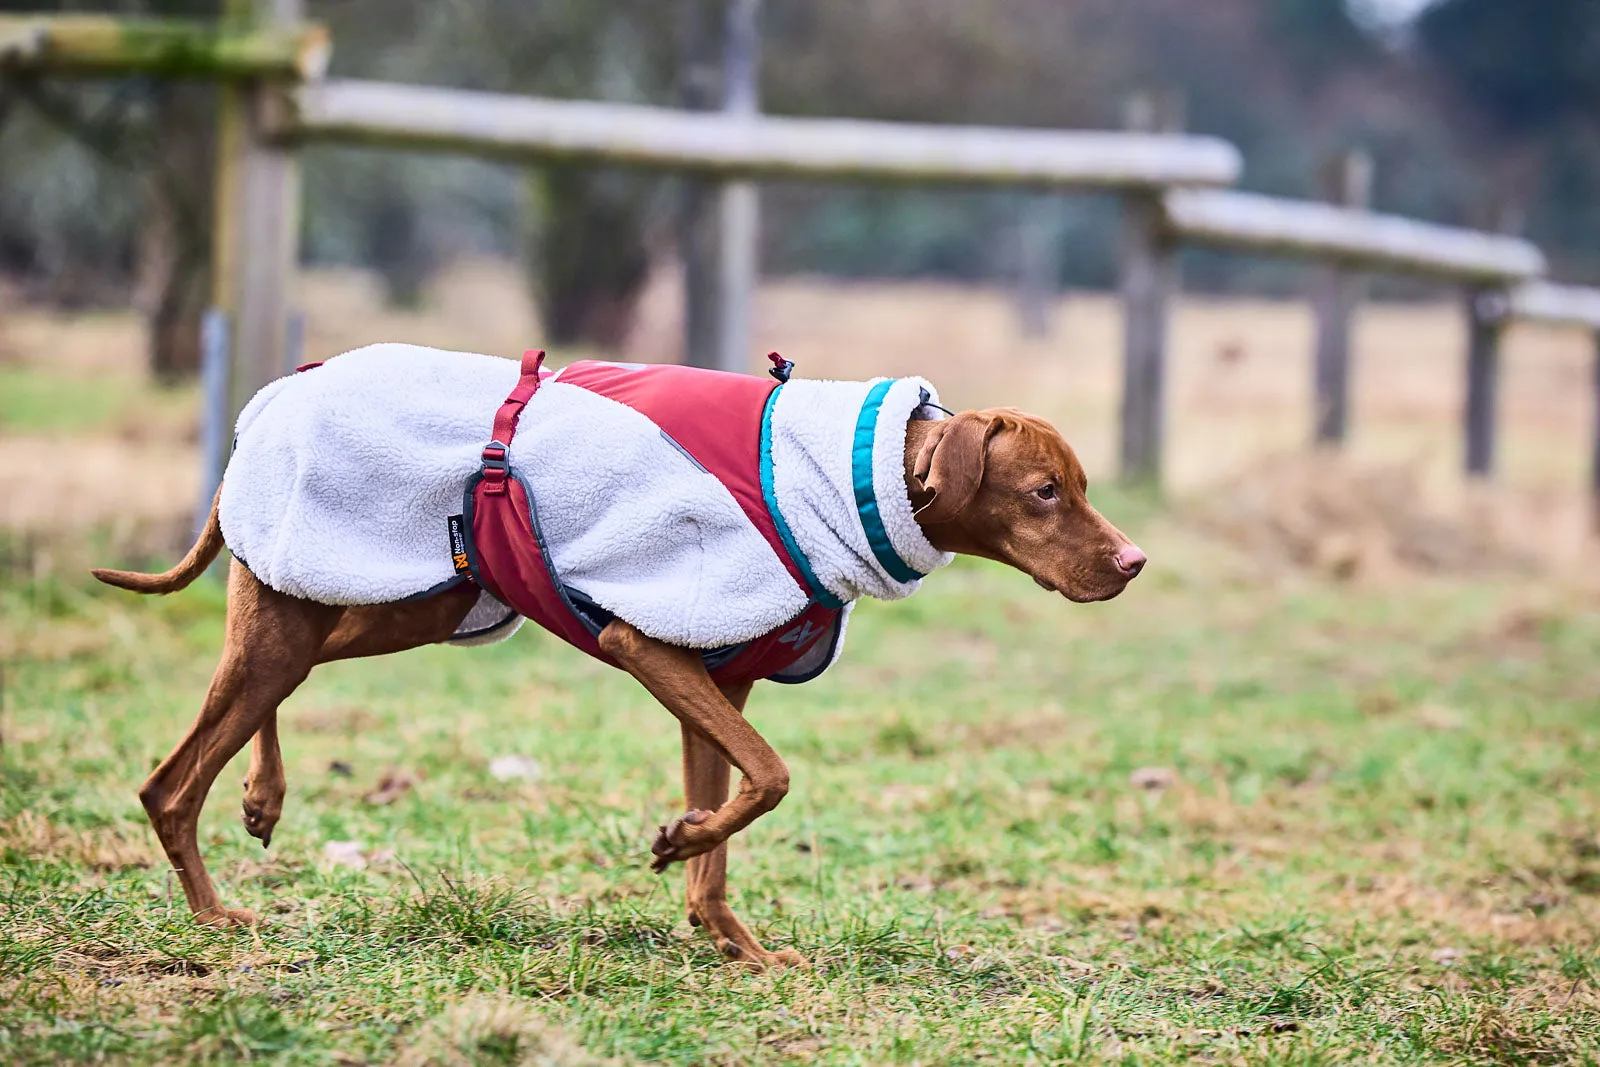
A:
<point x="294" y="344"/>
<point x="718" y="219"/>
<point x="216" y="413"/>
<point x="1594" y="461"/>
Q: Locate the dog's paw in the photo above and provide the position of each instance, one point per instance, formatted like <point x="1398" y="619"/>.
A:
<point x="758" y="959"/>
<point x="262" y="810"/>
<point x="683" y="839"/>
<point x="226" y="918"/>
<point x="259" y="823"/>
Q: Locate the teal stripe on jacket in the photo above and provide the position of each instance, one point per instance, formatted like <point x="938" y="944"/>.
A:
<point x="866" y="496"/>
<point x="770" y="495"/>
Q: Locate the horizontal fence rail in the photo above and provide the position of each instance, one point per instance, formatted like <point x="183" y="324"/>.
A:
<point x="1349" y="237"/>
<point x="106" y="45"/>
<point x="751" y="146"/>
<point x="1555" y="305"/>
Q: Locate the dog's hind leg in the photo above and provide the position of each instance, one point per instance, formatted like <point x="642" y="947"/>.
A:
<point x="705" y="788"/>
<point x="271" y="642"/>
<point x="372" y="630"/>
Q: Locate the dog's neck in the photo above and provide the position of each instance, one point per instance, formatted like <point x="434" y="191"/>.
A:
<point x="917" y="432"/>
<point x="946" y="537"/>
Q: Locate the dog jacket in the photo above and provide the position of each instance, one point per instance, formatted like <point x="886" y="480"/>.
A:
<point x="720" y="512"/>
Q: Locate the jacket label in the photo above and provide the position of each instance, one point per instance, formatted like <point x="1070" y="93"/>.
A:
<point x="458" y="545"/>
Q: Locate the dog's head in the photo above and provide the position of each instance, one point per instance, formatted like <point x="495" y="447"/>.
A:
<point x="1004" y="485"/>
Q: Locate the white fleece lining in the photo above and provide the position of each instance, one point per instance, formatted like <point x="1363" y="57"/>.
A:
<point x="904" y="399"/>
<point x="343" y="478"/>
<point x="488" y="622"/>
<point x="813" y="438"/>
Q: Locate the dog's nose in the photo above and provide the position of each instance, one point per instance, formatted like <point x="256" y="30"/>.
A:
<point x="1131" y="561"/>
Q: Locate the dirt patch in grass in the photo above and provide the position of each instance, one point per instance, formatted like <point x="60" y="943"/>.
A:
<point x="1353" y="520"/>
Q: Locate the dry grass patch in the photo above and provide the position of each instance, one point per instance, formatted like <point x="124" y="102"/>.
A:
<point x="30" y="836"/>
<point x="494" y="1030"/>
<point x="1349" y="520"/>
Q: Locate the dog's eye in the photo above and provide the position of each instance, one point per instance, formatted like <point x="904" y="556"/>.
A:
<point x="1045" y="492"/>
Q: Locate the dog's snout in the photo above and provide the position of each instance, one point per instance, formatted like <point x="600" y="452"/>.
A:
<point x="1131" y="561"/>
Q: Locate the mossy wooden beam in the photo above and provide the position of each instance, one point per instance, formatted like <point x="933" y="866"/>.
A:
<point x="108" y="46"/>
<point x="755" y="146"/>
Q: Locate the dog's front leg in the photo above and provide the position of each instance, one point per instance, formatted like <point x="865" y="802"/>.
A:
<point x="677" y="677"/>
<point x="705" y="786"/>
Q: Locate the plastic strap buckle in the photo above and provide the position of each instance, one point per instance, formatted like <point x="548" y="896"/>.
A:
<point x="495" y="468"/>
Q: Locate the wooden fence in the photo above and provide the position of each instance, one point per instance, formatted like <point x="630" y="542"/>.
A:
<point x="1172" y="186"/>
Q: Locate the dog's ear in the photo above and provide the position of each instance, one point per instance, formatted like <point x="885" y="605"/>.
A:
<point x="949" y="468"/>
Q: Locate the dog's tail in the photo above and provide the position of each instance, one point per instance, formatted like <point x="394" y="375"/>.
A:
<point x="193" y="565"/>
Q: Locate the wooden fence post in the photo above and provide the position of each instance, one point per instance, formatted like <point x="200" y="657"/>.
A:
<point x="1486" y="319"/>
<point x="1337" y="291"/>
<point x="739" y="265"/>
<point x="1149" y="279"/>
<point x="698" y="243"/>
<point x="1038" y="272"/>
<point x="255" y="234"/>
<point x="718" y="222"/>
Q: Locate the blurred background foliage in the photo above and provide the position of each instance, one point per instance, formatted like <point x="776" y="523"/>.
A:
<point x="1475" y="110"/>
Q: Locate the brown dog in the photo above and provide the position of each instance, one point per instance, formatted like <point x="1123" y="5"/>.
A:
<point x="996" y="483"/>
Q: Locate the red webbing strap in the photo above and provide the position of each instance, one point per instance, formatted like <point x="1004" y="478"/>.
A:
<point x="505" y="423"/>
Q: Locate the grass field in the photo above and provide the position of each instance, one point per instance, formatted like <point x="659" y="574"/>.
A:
<point x="1244" y="814"/>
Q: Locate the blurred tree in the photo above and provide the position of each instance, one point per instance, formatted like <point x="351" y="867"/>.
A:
<point x="161" y="136"/>
<point x="174" y="272"/>
<point x="588" y="240"/>
<point x="67" y="216"/>
<point x="1521" y="82"/>
<point x="378" y="204"/>
<point x="588" y="245"/>
<point x="1319" y="39"/>
<point x="590" y="235"/>
<point x="1526" y="67"/>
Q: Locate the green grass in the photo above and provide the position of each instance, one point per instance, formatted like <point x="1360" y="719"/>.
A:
<point x="1380" y="840"/>
<point x="38" y="401"/>
<point x="32" y="401"/>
